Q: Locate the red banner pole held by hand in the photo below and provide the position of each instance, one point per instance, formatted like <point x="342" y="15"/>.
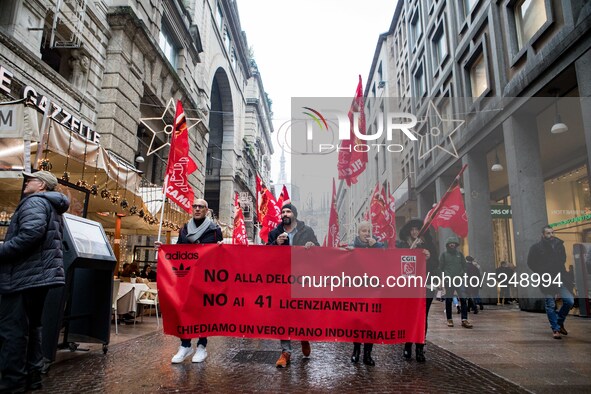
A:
<point x="433" y="212"/>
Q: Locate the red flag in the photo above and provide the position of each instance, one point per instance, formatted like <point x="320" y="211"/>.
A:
<point x="451" y="213"/>
<point x="352" y="163"/>
<point x="332" y="238"/>
<point x="283" y="198"/>
<point x="383" y="217"/>
<point x="239" y="234"/>
<point x="269" y="214"/>
<point x="180" y="165"/>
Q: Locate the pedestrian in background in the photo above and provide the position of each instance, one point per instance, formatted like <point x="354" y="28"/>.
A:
<point x="473" y="271"/>
<point x="31" y="262"/>
<point x="503" y="275"/>
<point x="365" y="240"/>
<point x="452" y="264"/>
<point x="291" y="232"/>
<point x="199" y="230"/>
<point x="407" y="236"/>
<point x="548" y="257"/>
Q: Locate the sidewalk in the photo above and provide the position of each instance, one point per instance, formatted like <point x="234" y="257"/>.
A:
<point x="519" y="347"/>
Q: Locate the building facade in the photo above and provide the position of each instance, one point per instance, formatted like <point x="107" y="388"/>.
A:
<point x="497" y="84"/>
<point x="114" y="69"/>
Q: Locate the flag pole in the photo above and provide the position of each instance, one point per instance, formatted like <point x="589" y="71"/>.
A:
<point x="435" y="211"/>
<point x="162" y="209"/>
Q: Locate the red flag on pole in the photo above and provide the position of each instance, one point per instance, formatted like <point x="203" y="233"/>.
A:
<point x="332" y="238"/>
<point x="283" y="198"/>
<point x="352" y="163"/>
<point x="180" y="164"/>
<point x="451" y="213"/>
<point x="269" y="214"/>
<point x="383" y="217"/>
<point x="239" y="234"/>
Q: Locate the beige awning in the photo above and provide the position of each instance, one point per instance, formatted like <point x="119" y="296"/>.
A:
<point x="88" y="166"/>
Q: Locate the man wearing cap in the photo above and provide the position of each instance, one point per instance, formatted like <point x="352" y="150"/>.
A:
<point x="30" y="263"/>
<point x="291" y="232"/>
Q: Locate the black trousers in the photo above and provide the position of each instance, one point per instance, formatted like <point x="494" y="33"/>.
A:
<point x="20" y="333"/>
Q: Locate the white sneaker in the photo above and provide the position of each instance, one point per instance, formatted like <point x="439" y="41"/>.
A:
<point x="200" y="354"/>
<point x="181" y="355"/>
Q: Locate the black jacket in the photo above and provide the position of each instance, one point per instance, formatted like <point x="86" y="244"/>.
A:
<point x="548" y="257"/>
<point x="305" y="234"/>
<point x="432" y="266"/>
<point x="31" y="255"/>
<point x="212" y="235"/>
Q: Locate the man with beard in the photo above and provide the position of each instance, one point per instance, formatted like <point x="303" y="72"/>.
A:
<point x="295" y="233"/>
<point x="548" y="257"/>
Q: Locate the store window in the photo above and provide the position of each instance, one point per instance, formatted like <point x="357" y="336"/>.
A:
<point x="568" y="204"/>
<point x="530" y="16"/>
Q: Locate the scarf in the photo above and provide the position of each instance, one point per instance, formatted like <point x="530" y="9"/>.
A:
<point x="194" y="232"/>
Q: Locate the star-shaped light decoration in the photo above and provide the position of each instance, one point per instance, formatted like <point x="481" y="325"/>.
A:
<point x="439" y="125"/>
<point x="159" y="125"/>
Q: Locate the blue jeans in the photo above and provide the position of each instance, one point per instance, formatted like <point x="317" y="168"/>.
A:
<point x="200" y="341"/>
<point x="449" y="292"/>
<point x="557" y="319"/>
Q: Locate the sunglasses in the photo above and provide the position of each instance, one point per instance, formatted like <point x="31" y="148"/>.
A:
<point x="198" y="206"/>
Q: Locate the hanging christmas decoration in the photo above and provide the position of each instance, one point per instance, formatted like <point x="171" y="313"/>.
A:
<point x="94" y="187"/>
<point x="45" y="164"/>
<point x="115" y="196"/>
<point x="124" y="204"/>
<point x="66" y="175"/>
<point x="81" y="182"/>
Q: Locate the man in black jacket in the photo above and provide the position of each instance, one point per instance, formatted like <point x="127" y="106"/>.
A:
<point x="31" y="261"/>
<point x="548" y="257"/>
<point x="291" y="232"/>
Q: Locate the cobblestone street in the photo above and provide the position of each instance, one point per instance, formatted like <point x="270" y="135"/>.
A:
<point x="236" y="365"/>
<point x="506" y="351"/>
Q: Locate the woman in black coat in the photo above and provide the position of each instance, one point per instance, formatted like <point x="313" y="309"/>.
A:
<point x="407" y="236"/>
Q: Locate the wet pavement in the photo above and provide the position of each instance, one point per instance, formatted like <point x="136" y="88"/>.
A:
<point x="507" y="351"/>
<point x="237" y="365"/>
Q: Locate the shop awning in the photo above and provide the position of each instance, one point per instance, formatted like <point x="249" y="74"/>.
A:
<point x="114" y="187"/>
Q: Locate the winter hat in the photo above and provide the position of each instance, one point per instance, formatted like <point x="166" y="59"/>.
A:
<point x="290" y="207"/>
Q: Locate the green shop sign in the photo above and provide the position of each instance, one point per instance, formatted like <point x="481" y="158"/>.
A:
<point x="500" y="211"/>
<point x="577" y="219"/>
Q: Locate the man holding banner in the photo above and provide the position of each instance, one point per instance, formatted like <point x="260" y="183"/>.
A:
<point x="292" y="232"/>
<point x="199" y="230"/>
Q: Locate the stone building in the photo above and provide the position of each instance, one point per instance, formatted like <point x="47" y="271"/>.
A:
<point x="116" y="66"/>
<point x="502" y="87"/>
